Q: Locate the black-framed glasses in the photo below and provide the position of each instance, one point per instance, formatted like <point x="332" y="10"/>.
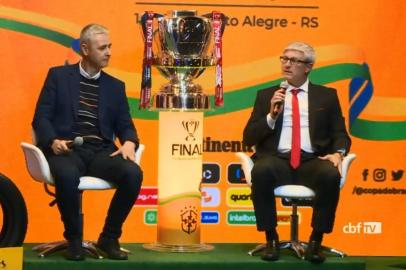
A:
<point x="293" y="60"/>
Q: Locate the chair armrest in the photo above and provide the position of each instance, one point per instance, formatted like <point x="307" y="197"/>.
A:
<point x="246" y="165"/>
<point x="348" y="159"/>
<point x="138" y="154"/>
<point x="37" y="165"/>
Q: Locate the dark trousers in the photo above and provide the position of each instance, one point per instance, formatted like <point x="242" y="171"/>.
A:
<point x="272" y="171"/>
<point x="94" y="160"/>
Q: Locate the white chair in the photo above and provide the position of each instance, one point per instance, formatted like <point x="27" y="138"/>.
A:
<point x="294" y="195"/>
<point x="38" y="168"/>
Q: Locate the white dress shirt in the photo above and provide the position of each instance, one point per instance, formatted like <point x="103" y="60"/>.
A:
<point x="285" y="141"/>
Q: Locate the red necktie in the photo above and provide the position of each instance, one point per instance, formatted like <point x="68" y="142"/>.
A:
<point x="295" y="150"/>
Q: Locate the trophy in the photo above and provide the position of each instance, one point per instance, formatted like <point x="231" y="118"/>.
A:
<point x="185" y="44"/>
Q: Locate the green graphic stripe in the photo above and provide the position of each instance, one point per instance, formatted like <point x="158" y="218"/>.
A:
<point x="180" y="196"/>
<point x="379" y="131"/>
<point x="244" y="98"/>
<point x="38" y="31"/>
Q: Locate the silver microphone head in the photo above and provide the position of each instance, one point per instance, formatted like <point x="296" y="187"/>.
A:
<point x="284" y="85"/>
<point x="78" y="141"/>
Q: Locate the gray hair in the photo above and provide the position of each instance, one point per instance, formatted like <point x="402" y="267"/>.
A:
<point x="89" y="30"/>
<point x="306" y="49"/>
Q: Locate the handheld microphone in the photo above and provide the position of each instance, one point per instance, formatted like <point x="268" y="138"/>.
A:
<point x="283" y="85"/>
<point x="77" y="141"/>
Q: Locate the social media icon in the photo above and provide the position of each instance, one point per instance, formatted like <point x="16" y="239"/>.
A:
<point x="397" y="175"/>
<point x="365" y="174"/>
<point x="379" y="175"/>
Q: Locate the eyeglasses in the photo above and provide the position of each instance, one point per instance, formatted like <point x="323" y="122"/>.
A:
<point x="293" y="60"/>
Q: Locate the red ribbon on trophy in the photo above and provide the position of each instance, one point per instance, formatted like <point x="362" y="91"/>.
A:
<point x="146" y="82"/>
<point x="217" y="26"/>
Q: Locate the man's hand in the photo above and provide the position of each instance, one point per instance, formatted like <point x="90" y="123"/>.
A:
<point x="60" y="147"/>
<point x="335" y="158"/>
<point x="127" y="150"/>
<point x="277" y="103"/>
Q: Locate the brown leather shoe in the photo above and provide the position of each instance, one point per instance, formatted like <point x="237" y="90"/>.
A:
<point x="110" y="248"/>
<point x="75" y="251"/>
<point x="271" y="251"/>
<point x="314" y="252"/>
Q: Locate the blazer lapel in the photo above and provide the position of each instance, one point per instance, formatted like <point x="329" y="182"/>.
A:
<point x="74" y="88"/>
<point x="103" y="88"/>
<point x="311" y="103"/>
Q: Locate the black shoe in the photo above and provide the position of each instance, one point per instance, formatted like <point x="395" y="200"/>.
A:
<point x="110" y="248"/>
<point x="314" y="252"/>
<point x="271" y="251"/>
<point x="75" y="251"/>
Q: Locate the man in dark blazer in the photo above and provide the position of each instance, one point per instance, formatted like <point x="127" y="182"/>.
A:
<point x="320" y="137"/>
<point x="83" y="101"/>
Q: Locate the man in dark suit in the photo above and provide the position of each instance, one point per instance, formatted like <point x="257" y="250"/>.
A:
<point x="83" y="101"/>
<point x="300" y="138"/>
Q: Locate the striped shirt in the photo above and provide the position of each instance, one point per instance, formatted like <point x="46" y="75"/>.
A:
<point x="87" y="124"/>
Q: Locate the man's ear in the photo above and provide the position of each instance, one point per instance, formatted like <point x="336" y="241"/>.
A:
<point x="309" y="67"/>
<point x="84" y="48"/>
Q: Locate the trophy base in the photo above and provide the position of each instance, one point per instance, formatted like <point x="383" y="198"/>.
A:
<point x="178" y="248"/>
<point x="183" y="101"/>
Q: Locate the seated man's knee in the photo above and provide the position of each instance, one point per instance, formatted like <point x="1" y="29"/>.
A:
<point x="132" y="175"/>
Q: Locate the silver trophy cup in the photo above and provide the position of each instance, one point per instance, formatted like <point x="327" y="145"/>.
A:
<point x="184" y="44"/>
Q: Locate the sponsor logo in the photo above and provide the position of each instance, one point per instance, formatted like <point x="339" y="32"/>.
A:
<point x="211" y="145"/>
<point x="239" y="197"/>
<point x="366" y="227"/>
<point x="241" y="218"/>
<point x="148" y="196"/>
<point x="209" y="217"/>
<point x="150" y="216"/>
<point x="284" y="217"/>
<point x="211" y="173"/>
<point x="210" y="197"/>
<point x="235" y="174"/>
<point x="189" y="219"/>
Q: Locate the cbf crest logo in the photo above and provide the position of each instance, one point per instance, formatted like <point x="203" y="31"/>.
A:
<point x="189" y="217"/>
<point x="190" y="126"/>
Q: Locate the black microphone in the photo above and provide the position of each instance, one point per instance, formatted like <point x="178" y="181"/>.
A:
<point x="283" y="85"/>
<point x="77" y="141"/>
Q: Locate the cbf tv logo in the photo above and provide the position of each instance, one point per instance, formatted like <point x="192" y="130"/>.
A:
<point x="366" y="227"/>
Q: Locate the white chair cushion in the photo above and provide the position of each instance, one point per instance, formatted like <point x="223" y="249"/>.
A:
<point x="294" y="192"/>
<point x="94" y="183"/>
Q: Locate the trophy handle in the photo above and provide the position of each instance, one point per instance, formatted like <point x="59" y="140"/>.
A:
<point x="224" y="20"/>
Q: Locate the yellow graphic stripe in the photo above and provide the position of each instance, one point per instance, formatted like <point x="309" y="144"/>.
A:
<point x="38" y="19"/>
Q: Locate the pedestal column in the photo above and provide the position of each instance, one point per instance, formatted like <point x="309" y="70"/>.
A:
<point x="179" y="177"/>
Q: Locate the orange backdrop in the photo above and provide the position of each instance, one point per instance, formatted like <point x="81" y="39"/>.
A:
<point x="360" y="51"/>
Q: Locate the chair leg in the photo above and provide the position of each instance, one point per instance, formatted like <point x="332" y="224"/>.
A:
<point x="91" y="249"/>
<point x="50" y="248"/>
<point x="257" y="249"/>
<point x="293" y="244"/>
<point x="333" y="251"/>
